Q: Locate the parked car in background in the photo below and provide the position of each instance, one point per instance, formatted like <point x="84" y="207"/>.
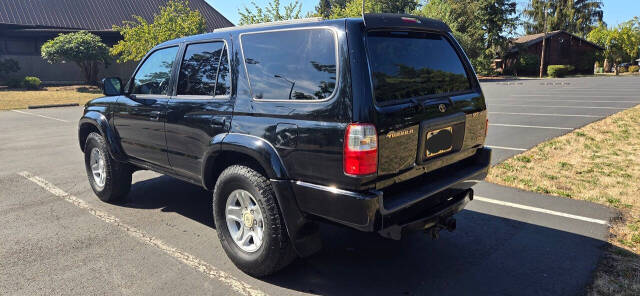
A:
<point x="377" y="124"/>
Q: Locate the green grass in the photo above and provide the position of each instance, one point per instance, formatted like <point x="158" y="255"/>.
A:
<point x="598" y="163"/>
<point x="21" y="99"/>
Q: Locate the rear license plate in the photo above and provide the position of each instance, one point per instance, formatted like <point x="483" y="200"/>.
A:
<point x="439" y="141"/>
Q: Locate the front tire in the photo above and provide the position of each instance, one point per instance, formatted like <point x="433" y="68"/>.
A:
<point x="109" y="179"/>
<point x="249" y="223"/>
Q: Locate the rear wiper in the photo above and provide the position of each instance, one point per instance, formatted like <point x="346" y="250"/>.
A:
<point x="416" y="104"/>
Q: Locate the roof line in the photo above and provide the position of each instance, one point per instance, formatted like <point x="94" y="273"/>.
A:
<point x="90" y="14"/>
<point x="220" y="14"/>
<point x="551" y="34"/>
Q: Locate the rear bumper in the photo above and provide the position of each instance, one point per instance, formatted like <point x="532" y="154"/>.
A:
<point x="417" y="203"/>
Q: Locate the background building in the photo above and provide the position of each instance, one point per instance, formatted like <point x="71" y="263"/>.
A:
<point x="26" y="25"/>
<point x="562" y="48"/>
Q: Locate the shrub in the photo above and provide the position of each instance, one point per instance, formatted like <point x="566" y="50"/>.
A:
<point x="622" y="69"/>
<point x="7" y="68"/>
<point x="14" y="82"/>
<point x="634" y="68"/>
<point x="558" y="70"/>
<point x="30" y="82"/>
<point x="483" y="66"/>
<point x="528" y="64"/>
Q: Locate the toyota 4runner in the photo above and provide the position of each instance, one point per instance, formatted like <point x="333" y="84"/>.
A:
<point x="376" y="123"/>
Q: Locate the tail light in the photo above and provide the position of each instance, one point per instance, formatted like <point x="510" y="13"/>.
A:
<point x="360" y="149"/>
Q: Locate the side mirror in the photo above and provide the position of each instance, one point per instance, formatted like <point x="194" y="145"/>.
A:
<point x="112" y="86"/>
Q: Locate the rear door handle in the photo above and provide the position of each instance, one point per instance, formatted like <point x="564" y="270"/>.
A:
<point x="155" y="115"/>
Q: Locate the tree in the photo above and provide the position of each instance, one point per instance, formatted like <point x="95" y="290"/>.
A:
<point x="353" y="8"/>
<point x="620" y="43"/>
<point x="480" y="26"/>
<point x="270" y="13"/>
<point x="460" y="15"/>
<point x="175" y="20"/>
<point x="323" y="8"/>
<point x="82" y="48"/>
<point x="339" y="3"/>
<point x="574" y="16"/>
<point x="497" y="18"/>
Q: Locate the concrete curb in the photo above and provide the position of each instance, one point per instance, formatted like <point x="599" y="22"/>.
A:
<point x="52" y="106"/>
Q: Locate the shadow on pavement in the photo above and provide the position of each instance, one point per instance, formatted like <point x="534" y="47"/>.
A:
<point x="172" y="195"/>
<point x="487" y="255"/>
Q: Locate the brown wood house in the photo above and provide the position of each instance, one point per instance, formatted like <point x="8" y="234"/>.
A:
<point x="562" y="48"/>
<point x="26" y="25"/>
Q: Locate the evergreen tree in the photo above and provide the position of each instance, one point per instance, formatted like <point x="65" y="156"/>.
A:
<point x="498" y="19"/>
<point x="338" y="3"/>
<point x="575" y="16"/>
<point x="323" y="8"/>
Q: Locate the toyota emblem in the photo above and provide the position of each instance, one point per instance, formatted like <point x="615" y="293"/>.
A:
<point x="442" y="108"/>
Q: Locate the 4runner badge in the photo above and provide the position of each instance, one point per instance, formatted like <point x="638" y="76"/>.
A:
<point x="395" y="134"/>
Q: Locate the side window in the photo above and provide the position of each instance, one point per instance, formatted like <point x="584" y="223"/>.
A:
<point x="205" y="70"/>
<point x="155" y="73"/>
<point x="291" y="65"/>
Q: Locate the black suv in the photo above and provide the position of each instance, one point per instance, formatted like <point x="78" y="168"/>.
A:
<point x="376" y="123"/>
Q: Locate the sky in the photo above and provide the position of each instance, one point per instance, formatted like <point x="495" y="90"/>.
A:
<point x="615" y="11"/>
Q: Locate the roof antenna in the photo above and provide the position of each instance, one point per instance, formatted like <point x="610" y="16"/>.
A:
<point x="363" y="20"/>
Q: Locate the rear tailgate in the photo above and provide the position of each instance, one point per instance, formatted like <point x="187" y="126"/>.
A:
<point x="430" y="111"/>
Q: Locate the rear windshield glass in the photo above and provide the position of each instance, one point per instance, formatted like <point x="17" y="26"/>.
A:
<point x="414" y="64"/>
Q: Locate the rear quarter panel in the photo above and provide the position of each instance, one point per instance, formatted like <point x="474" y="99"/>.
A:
<point x="308" y="135"/>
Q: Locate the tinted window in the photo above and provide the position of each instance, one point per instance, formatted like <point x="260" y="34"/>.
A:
<point x="155" y="73"/>
<point x="296" y="64"/>
<point x="204" y="70"/>
<point x="414" y="64"/>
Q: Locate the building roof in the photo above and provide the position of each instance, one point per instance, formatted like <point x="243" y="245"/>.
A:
<point x="528" y="40"/>
<point x="93" y="15"/>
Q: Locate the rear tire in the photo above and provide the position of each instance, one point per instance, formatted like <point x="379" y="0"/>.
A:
<point x="109" y="179"/>
<point x="274" y="250"/>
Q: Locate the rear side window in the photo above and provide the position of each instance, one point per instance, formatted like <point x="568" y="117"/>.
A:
<point x="408" y="65"/>
<point x="291" y="65"/>
<point x="205" y="70"/>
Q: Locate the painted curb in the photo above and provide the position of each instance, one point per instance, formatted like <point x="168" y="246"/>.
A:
<point x="52" y="106"/>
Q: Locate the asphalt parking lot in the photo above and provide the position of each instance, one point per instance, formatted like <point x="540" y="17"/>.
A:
<point x="58" y="238"/>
